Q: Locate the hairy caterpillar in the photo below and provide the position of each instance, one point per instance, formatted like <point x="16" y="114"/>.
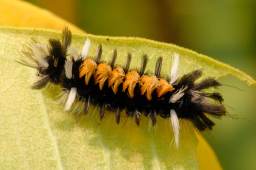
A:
<point x="120" y="88"/>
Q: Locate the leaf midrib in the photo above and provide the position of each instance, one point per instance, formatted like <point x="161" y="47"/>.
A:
<point x="50" y="132"/>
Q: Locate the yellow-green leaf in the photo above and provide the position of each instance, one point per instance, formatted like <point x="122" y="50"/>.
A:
<point x="36" y="133"/>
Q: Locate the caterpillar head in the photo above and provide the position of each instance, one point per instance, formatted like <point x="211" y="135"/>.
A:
<point x="48" y="60"/>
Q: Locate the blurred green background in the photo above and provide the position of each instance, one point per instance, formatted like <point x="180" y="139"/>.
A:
<point x="223" y="29"/>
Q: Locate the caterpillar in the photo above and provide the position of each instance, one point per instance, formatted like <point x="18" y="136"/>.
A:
<point x="119" y="89"/>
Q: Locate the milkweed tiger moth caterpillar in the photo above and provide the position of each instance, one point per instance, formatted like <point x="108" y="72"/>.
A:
<point x="118" y="88"/>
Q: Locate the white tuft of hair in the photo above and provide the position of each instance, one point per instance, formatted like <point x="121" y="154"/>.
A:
<point x="175" y="126"/>
<point x="71" y="98"/>
<point x="86" y="48"/>
<point x="39" y="54"/>
<point x="178" y="95"/>
<point x="68" y="68"/>
<point x="74" y="53"/>
<point x="175" y="67"/>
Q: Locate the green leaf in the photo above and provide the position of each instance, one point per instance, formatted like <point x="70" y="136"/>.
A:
<point x="37" y="134"/>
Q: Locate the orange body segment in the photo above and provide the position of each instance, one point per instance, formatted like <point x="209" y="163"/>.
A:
<point x="116" y="78"/>
<point x="163" y="88"/>
<point x="147" y="85"/>
<point x="87" y="69"/>
<point x="131" y="79"/>
<point x="102" y="74"/>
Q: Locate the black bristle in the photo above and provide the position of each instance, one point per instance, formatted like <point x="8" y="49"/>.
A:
<point x="143" y="64"/>
<point x="137" y="118"/>
<point x="206" y="120"/>
<point x="87" y="105"/>
<point x="41" y="83"/>
<point x="158" y="67"/>
<point x="99" y="53"/>
<point x="153" y="118"/>
<point x="215" y="109"/>
<point x="198" y="123"/>
<point x="66" y="39"/>
<point x="128" y="62"/>
<point x="102" y="111"/>
<point x="207" y="83"/>
<point x="215" y="96"/>
<point x="56" y="49"/>
<point x="56" y="61"/>
<point x="117" y="115"/>
<point x="202" y="104"/>
<point x="190" y="78"/>
<point x="112" y="64"/>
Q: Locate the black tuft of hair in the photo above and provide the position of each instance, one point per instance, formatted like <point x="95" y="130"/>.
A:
<point x="207" y="83"/>
<point x="189" y="79"/>
<point x="215" y="96"/>
<point x="66" y="39"/>
<point x="57" y="57"/>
